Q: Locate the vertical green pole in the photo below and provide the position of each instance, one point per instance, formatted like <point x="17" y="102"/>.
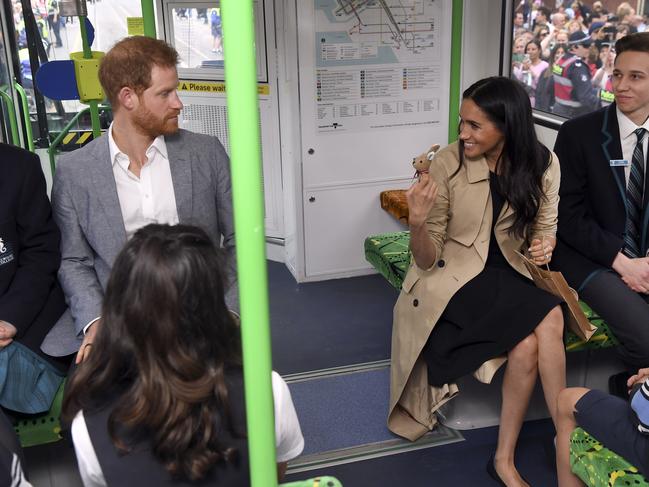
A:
<point x="248" y="198"/>
<point x="456" y="71"/>
<point x="29" y="135"/>
<point x="149" y="18"/>
<point x="87" y="54"/>
<point x="11" y="114"/>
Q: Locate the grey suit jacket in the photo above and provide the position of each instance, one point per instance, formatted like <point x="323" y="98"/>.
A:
<point x="87" y="210"/>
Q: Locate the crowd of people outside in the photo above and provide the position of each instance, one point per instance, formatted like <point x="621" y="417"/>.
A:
<point x="563" y="52"/>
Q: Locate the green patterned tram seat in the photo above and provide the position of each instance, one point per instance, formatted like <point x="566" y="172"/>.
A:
<point x="39" y="429"/>
<point x="598" y="466"/>
<point x="390" y="255"/>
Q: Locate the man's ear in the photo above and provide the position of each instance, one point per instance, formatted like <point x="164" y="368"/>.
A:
<point x="127" y="98"/>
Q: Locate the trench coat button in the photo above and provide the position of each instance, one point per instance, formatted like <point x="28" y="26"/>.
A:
<point x="415" y="303"/>
<point x="441" y="263"/>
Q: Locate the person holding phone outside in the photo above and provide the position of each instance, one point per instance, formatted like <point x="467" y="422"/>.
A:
<point x="531" y="69"/>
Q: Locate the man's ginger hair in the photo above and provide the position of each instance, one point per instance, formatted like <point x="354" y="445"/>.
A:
<point x="129" y="63"/>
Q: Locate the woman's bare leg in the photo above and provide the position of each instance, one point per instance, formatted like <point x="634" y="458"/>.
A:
<point x="552" y="358"/>
<point x="565" y="425"/>
<point x="518" y="384"/>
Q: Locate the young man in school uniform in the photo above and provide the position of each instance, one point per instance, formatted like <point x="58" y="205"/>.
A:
<point x="603" y="235"/>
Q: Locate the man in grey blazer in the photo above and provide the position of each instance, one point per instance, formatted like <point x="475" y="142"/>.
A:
<point x="145" y="170"/>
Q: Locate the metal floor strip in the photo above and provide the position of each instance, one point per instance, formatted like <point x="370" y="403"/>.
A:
<point x="336" y="371"/>
<point x="440" y="436"/>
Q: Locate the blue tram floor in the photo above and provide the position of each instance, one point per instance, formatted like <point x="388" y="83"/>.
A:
<point x="320" y="325"/>
<point x="456" y="464"/>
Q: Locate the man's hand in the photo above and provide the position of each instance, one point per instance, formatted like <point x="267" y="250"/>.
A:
<point x="87" y="343"/>
<point x="634" y="272"/>
<point x="421" y="197"/>
<point x="541" y="250"/>
<point x="7" y="333"/>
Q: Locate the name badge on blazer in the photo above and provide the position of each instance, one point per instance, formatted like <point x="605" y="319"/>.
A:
<point x="618" y="162"/>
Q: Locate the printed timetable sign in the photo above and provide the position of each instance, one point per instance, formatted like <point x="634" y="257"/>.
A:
<point x="379" y="64"/>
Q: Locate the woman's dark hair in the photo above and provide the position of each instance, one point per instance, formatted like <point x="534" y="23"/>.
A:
<point x="523" y="159"/>
<point x="161" y="351"/>
<point x="537" y="44"/>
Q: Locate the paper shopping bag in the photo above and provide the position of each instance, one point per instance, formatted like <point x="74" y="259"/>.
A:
<point x="554" y="283"/>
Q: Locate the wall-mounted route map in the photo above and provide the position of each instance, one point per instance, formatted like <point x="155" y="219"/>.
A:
<point x="377" y="31"/>
<point x="378" y="63"/>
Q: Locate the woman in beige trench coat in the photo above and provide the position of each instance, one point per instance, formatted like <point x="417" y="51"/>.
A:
<point x="497" y="163"/>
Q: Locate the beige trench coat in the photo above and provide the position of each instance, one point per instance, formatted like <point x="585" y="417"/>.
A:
<point x="459" y="226"/>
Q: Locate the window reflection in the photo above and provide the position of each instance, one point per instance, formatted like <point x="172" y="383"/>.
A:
<point x="198" y="37"/>
<point x="563" y="51"/>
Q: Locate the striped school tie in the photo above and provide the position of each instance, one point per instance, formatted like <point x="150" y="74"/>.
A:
<point x="634" y="197"/>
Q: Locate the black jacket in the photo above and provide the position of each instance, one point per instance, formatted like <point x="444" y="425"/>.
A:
<point x="29" y="248"/>
<point x="592" y="208"/>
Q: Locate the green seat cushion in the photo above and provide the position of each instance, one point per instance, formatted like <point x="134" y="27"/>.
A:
<point x="38" y="429"/>
<point x="598" y="466"/>
<point x="389" y="253"/>
<point x="602" y="338"/>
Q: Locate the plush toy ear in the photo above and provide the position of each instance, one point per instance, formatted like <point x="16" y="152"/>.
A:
<point x="432" y="151"/>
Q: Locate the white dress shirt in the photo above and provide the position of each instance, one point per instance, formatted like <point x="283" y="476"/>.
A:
<point x="628" y="141"/>
<point x="149" y="198"/>
<point x="288" y="436"/>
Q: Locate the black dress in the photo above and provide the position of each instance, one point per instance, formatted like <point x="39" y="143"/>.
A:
<point x="488" y="316"/>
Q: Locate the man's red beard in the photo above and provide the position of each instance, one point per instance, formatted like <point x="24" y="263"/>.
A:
<point x="148" y="124"/>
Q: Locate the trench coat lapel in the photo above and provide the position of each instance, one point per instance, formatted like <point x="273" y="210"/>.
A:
<point x="480" y="197"/>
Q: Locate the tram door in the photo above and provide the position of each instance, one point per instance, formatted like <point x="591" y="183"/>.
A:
<point x="194" y="28"/>
<point x="10" y="130"/>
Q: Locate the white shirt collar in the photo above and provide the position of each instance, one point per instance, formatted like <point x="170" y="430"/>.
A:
<point x="627" y="126"/>
<point x="117" y="156"/>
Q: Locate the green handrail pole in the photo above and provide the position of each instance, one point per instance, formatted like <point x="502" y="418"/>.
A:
<point x="149" y="18"/>
<point x="29" y="135"/>
<point x="248" y="198"/>
<point x="456" y="65"/>
<point x="11" y="112"/>
<point x="55" y="143"/>
<point x="87" y="54"/>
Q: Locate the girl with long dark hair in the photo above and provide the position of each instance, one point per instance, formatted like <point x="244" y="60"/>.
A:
<point x="467" y="302"/>
<point x="160" y="399"/>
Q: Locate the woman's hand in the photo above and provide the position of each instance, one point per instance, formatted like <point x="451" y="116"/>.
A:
<point x="541" y="250"/>
<point x="421" y="198"/>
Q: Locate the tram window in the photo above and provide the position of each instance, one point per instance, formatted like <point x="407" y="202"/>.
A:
<point x="196" y="31"/>
<point x="61" y="36"/>
<point x="539" y="57"/>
